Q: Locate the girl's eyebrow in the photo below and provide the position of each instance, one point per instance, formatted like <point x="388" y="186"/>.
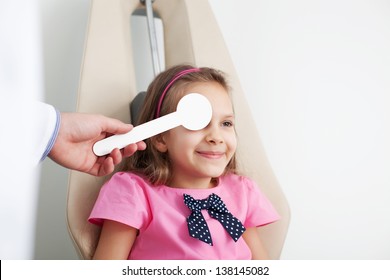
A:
<point x="226" y="116"/>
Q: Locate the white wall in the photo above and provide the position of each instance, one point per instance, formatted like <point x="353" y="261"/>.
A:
<point x="316" y="74"/>
<point x="63" y="30"/>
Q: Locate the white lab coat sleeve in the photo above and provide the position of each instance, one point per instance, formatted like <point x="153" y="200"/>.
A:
<point x="47" y="124"/>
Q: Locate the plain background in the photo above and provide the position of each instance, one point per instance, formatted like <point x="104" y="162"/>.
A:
<point x="316" y="74"/>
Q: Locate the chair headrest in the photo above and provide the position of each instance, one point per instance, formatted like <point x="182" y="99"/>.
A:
<point x="135" y="107"/>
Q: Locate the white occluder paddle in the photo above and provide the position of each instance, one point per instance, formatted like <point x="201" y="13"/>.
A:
<point x="193" y="111"/>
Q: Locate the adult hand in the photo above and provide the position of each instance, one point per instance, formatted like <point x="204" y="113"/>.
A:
<point x="77" y="135"/>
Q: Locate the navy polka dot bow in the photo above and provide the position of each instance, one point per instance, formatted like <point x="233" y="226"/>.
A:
<point x="214" y="205"/>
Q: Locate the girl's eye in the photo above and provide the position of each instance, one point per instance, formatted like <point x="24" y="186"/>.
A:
<point x="227" y="123"/>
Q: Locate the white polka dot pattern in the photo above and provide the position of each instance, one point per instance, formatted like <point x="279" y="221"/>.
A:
<point x="197" y="226"/>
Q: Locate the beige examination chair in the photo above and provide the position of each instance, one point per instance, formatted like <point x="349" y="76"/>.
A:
<point x="108" y="85"/>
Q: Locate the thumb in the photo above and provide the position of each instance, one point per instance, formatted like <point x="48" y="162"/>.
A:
<point x="114" y="126"/>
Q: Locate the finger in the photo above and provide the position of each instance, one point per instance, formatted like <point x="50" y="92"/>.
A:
<point x="114" y="126"/>
<point x="141" y="145"/>
<point x="129" y="150"/>
<point x="107" y="167"/>
<point x="116" y="156"/>
<point x="96" y="168"/>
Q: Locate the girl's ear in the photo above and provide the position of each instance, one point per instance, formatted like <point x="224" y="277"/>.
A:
<point x="159" y="143"/>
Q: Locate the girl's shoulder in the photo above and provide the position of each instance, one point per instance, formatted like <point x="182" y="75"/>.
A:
<point x="126" y="180"/>
<point x="260" y="208"/>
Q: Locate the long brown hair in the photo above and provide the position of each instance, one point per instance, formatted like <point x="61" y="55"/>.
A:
<point x="150" y="163"/>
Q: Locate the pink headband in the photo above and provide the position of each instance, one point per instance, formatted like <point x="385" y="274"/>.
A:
<point x="175" y="78"/>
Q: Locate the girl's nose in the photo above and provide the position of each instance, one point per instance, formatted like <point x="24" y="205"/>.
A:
<point x="214" y="136"/>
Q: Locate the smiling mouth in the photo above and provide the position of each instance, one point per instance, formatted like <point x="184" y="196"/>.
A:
<point x="211" y="155"/>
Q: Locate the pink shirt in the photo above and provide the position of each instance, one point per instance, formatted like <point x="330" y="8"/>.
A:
<point x="160" y="215"/>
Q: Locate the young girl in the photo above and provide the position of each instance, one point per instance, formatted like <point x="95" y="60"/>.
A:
<point x="181" y="198"/>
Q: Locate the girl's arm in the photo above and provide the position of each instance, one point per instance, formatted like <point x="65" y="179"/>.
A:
<point x="115" y="242"/>
<point x="252" y="239"/>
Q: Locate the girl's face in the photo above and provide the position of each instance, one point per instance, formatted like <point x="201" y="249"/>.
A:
<point x="199" y="156"/>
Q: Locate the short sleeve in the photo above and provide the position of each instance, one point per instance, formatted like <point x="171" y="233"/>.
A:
<point x="260" y="210"/>
<point x="122" y="199"/>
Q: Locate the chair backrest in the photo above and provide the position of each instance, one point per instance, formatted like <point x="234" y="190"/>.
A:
<point x="107" y="86"/>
